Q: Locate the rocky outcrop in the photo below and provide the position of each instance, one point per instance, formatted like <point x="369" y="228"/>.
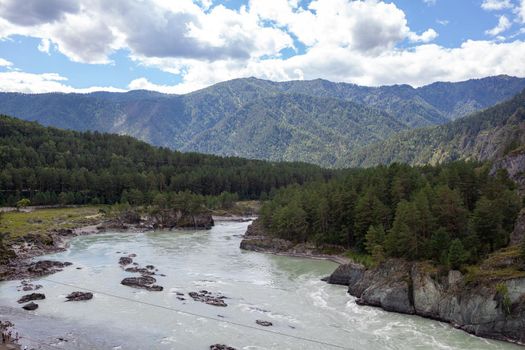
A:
<point x="492" y="309"/>
<point x="346" y="274"/>
<point x="518" y="234"/>
<point x="258" y="240"/>
<point x="514" y="164"/>
<point x="160" y="219"/>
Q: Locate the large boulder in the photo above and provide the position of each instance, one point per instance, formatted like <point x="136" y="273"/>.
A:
<point x="143" y="282"/>
<point x="31" y="297"/>
<point x="346" y="274"/>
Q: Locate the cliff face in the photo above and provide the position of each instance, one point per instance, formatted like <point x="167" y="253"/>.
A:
<point x="490" y="309"/>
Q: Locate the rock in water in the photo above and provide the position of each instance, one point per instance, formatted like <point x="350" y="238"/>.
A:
<point x="207" y="297"/>
<point x="264" y="323"/>
<point x="79" y="296"/>
<point x="346" y="274"/>
<point x="221" y="347"/>
<point x="30" y="307"/>
<point x="144" y="282"/>
<point x="124" y="260"/>
<point x="30" y="297"/>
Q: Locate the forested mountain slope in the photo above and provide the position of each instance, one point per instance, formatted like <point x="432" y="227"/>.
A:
<point x="46" y="164"/>
<point x="489" y="134"/>
<point x="223" y="118"/>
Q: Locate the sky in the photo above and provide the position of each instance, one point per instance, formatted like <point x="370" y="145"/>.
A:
<point x="179" y="46"/>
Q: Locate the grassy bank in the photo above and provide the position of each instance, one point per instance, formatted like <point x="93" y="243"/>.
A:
<point x="42" y="221"/>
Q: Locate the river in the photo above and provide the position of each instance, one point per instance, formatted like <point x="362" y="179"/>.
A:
<point x="306" y="313"/>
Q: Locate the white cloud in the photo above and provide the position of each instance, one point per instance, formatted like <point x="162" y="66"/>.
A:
<point x="40" y="83"/>
<point x="430" y="2"/>
<point x="145" y="84"/>
<point x="426" y="37"/>
<point x="44" y="46"/>
<point x="521" y="11"/>
<point x="503" y="24"/>
<point x="496" y="5"/>
<point x="5" y="63"/>
<point x="360" y="41"/>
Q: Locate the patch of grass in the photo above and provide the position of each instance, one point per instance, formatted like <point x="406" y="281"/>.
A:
<point x="502" y="258"/>
<point x="360" y="258"/>
<point x="41" y="221"/>
<point x="242" y="208"/>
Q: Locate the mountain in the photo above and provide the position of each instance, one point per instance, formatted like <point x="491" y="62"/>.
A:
<point x="314" y="121"/>
<point x="487" y="135"/>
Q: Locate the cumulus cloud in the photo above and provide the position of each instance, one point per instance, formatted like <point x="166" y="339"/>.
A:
<point x="496" y="5"/>
<point x="521" y="11"/>
<point x="5" y="63"/>
<point x="360" y="41"/>
<point x="503" y="24"/>
<point x="33" y="12"/>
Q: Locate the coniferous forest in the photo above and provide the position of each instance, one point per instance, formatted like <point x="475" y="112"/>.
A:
<point x="52" y="166"/>
<point x="452" y="214"/>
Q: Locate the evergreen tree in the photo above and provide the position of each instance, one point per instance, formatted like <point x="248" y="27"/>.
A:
<point x="456" y="254"/>
<point x="439" y="244"/>
<point x="487" y="224"/>
<point x="369" y="211"/>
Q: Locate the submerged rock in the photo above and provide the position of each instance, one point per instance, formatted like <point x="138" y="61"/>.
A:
<point x="221" y="347"/>
<point x="30" y="307"/>
<point x="125" y="260"/>
<point x="142" y="270"/>
<point x="207" y="297"/>
<point x="143" y="282"/>
<point x="79" y="296"/>
<point x="31" y="297"/>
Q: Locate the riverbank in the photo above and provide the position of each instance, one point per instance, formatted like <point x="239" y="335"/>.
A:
<point x="255" y="239"/>
<point x="488" y="301"/>
<point x="45" y="231"/>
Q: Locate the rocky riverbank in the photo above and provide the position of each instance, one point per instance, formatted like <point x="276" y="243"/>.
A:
<point x="490" y="304"/>
<point x="20" y="265"/>
<point x="487" y="307"/>
<point x="257" y="240"/>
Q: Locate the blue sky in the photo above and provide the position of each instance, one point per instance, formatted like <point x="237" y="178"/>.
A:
<point x="179" y="46"/>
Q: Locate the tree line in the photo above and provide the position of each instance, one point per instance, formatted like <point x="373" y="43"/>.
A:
<point x="52" y="166"/>
<point x="452" y="214"/>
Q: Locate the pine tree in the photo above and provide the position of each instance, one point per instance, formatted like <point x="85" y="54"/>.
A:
<point x="456" y="254"/>
<point x="487" y="224"/>
<point x="369" y="211"/>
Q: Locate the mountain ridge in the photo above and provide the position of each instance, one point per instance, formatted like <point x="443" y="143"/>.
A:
<point x="202" y="120"/>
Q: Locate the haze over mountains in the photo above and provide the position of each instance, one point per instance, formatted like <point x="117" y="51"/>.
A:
<point x="313" y="121"/>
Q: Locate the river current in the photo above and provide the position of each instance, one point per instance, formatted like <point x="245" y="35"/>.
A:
<point x="306" y="313"/>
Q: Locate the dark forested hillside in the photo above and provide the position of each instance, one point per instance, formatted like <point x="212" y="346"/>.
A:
<point x="452" y="214"/>
<point x="224" y="118"/>
<point x="489" y="134"/>
<point x="49" y="165"/>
